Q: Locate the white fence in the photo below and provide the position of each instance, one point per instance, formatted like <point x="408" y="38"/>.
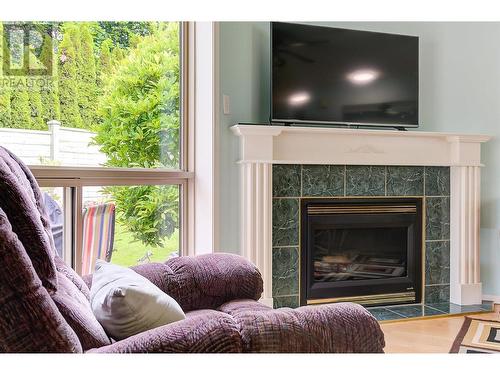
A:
<point x="58" y="145"/>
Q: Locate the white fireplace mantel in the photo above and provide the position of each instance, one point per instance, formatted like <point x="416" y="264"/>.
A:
<point x="264" y="145"/>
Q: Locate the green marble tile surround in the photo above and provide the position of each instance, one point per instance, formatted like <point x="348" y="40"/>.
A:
<point x="292" y="182"/>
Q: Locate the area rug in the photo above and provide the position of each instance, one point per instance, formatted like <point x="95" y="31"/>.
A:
<point x="478" y="336"/>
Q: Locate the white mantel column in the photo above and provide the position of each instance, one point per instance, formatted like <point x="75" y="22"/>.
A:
<point x="256" y="179"/>
<point x="256" y="153"/>
<point x="465" y="285"/>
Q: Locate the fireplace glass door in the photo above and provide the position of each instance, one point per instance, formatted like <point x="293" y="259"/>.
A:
<point x="362" y="250"/>
<point x="359" y="253"/>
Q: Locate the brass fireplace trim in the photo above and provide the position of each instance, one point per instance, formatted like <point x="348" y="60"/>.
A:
<point x="341" y="198"/>
<point x="369" y="300"/>
<point x="328" y="210"/>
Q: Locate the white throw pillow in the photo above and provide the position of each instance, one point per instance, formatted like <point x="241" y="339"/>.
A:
<point x="126" y="303"/>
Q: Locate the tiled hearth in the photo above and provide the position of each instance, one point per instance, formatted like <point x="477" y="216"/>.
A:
<point x="292" y="182"/>
<point x="388" y="313"/>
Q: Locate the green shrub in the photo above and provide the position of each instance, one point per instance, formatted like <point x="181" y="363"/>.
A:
<point x="87" y="87"/>
<point x="140" y="128"/>
<point x="104" y="63"/>
<point x="150" y="213"/>
<point x="87" y="52"/>
<point x="5" y="111"/>
<point x="68" y="78"/>
<point x="49" y="94"/>
<point x="20" y="105"/>
<point x="121" y="34"/>
<point x="36" y="108"/>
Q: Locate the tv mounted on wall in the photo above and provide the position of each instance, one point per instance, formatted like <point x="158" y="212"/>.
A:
<point x="325" y="75"/>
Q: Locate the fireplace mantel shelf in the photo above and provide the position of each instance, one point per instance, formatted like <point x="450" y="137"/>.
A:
<point x="315" y="145"/>
<point x="277" y="130"/>
<point x="261" y="146"/>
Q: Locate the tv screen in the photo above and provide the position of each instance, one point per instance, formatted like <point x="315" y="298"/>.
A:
<point x="340" y="76"/>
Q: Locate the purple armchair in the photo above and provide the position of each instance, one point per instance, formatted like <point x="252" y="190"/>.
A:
<point x="44" y="304"/>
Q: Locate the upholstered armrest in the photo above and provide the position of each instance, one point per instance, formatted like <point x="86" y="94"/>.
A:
<point x="203" y="331"/>
<point x="332" y="328"/>
<point x="204" y="281"/>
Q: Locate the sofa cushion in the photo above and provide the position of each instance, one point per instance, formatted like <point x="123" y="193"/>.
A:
<point x="75" y="308"/>
<point x="203" y="331"/>
<point x="126" y="303"/>
<point x="333" y="328"/>
<point x="29" y="319"/>
<point x="22" y="202"/>
<point x="73" y="276"/>
<point x="207" y="281"/>
<point x="202" y="282"/>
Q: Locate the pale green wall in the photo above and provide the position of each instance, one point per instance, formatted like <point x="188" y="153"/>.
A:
<point x="244" y="72"/>
<point x="459" y="92"/>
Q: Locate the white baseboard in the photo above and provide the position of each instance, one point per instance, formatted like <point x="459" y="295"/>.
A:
<point x="490" y="297"/>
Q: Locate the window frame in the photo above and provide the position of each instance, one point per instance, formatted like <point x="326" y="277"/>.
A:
<point x="74" y="179"/>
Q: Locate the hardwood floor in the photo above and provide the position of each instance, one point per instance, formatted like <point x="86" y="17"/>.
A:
<point x="426" y="335"/>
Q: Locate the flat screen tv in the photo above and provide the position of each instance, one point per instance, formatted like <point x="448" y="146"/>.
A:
<point x="325" y="75"/>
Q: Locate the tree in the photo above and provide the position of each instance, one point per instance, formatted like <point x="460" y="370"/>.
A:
<point x="68" y="79"/>
<point x="87" y="52"/>
<point x="140" y="128"/>
<point x="32" y="87"/>
<point x="51" y="109"/>
<point x="5" y="112"/>
<point x="134" y="40"/>
<point x="20" y="105"/>
<point x="117" y="55"/>
<point x="22" y="100"/>
<point x="87" y="78"/>
<point x="36" y="111"/>
<point x="120" y="33"/>
<point x="105" y="63"/>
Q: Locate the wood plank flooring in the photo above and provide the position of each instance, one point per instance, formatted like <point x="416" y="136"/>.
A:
<point x="427" y="335"/>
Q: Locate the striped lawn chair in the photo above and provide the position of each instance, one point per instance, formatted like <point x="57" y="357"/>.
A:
<point x="98" y="235"/>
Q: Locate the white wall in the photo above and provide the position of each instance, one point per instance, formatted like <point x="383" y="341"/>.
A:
<point x="459" y="92"/>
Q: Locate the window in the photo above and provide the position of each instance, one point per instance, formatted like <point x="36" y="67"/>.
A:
<point x="96" y="110"/>
<point x="128" y="229"/>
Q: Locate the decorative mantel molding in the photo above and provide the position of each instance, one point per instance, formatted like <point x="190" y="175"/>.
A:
<point x="307" y="145"/>
<point x="264" y="145"/>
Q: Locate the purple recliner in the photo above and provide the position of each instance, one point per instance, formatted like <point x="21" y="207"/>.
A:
<point x="44" y="304"/>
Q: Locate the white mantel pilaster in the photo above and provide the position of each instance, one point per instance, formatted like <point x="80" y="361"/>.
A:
<point x="264" y="145"/>
<point x="257" y="221"/>
<point x="465" y="281"/>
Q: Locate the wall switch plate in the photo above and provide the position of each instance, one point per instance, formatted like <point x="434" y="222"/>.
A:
<point x="225" y="104"/>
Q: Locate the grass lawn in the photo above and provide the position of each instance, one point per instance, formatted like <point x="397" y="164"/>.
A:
<point x="127" y="251"/>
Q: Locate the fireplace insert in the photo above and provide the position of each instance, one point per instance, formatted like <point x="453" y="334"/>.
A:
<point x="364" y="250"/>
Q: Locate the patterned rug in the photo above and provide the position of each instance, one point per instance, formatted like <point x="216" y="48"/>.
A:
<point x="478" y="336"/>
